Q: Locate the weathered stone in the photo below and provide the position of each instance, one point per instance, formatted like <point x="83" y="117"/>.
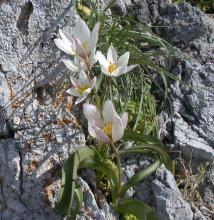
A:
<point x="4" y="105"/>
<point x="197" y="214"/>
<point x="170" y="204"/>
<point x="160" y="191"/>
<point x="183" y="23"/>
<point x="207" y="188"/>
<point x="46" y="132"/>
<point x="193" y="126"/>
<point x="90" y="208"/>
<point x="44" y="129"/>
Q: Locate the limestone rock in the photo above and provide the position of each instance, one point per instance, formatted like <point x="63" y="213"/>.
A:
<point x="38" y="119"/>
<point x="169" y="202"/>
<point x="193" y="125"/>
<point x="38" y="126"/>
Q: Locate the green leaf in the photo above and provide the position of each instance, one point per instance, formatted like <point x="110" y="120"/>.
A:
<point x="149" y="144"/>
<point x="69" y="175"/>
<point x="79" y="200"/>
<point x="140" y="176"/>
<point x="68" y="185"/>
<point x="136" y="207"/>
<point x="107" y="168"/>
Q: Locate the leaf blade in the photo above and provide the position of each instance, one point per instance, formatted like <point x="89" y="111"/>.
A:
<point x="136" y="207"/>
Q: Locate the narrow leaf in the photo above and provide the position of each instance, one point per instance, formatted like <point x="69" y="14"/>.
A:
<point x="107" y="169"/>
<point x="69" y="175"/>
<point x="137" y="208"/>
<point x="149" y="144"/>
<point x="79" y="200"/>
<point x="69" y="172"/>
<point x="140" y="176"/>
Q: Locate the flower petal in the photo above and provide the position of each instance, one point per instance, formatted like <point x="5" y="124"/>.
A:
<point x="86" y="92"/>
<point x="71" y="65"/>
<point x="123" y="60"/>
<point x="73" y="92"/>
<point x="74" y="81"/>
<point x="81" y="31"/>
<point x="92" y="58"/>
<point x="92" y="115"/>
<point x="112" y="54"/>
<point x="117" y="129"/>
<point x="93" y="82"/>
<point x="62" y="46"/>
<point x="124" y="119"/>
<point x="80" y="62"/>
<point x="66" y="37"/>
<point x="105" y="71"/>
<point x="100" y="135"/>
<point x="84" y="96"/>
<point x="108" y="111"/>
<point x="80" y="51"/>
<point x="83" y="78"/>
<point x="119" y="71"/>
<point x="131" y="67"/>
<point x="80" y="99"/>
<point x="91" y="131"/>
<point x="102" y="60"/>
<point x="94" y="37"/>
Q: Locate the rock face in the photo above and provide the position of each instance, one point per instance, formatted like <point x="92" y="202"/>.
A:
<point x="193" y="124"/>
<point x="191" y="128"/>
<point x="38" y="130"/>
<point x="36" y="121"/>
<point x="168" y="199"/>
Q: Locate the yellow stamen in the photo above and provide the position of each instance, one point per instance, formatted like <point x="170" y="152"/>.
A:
<point x="112" y="67"/>
<point x="85" y="46"/>
<point x="81" y="89"/>
<point x="108" y="129"/>
<point x="84" y="9"/>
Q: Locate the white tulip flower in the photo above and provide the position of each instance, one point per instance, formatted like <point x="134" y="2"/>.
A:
<point x="78" y="64"/>
<point x="82" y="43"/>
<point x="109" y="128"/>
<point x="114" y="66"/>
<point x="82" y="86"/>
<point x="66" y="43"/>
<point x="85" y="40"/>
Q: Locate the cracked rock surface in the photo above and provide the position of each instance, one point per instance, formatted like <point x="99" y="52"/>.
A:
<point x="38" y="130"/>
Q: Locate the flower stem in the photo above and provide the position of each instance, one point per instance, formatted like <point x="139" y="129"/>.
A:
<point x="119" y="171"/>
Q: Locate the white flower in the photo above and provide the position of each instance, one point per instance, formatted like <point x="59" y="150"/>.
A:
<point x="112" y="66"/>
<point x="66" y="43"/>
<point x="78" y="64"/>
<point x="82" y="86"/>
<point x="108" y="129"/>
<point x="82" y="43"/>
<point x="85" y="40"/>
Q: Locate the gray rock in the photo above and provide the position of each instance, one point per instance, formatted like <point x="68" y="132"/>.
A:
<point x="38" y="118"/>
<point x="183" y="23"/>
<point x="41" y="131"/>
<point x="193" y="124"/>
<point x="161" y="192"/>
<point x="4" y="100"/>
<point x="170" y="204"/>
<point x="90" y="208"/>
<point x="207" y="188"/>
<point x="197" y="213"/>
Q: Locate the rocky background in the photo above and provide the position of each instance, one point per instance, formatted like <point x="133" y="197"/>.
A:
<point x="38" y="130"/>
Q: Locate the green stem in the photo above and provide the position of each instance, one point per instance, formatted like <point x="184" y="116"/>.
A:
<point x="119" y="171"/>
<point x="110" y="88"/>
